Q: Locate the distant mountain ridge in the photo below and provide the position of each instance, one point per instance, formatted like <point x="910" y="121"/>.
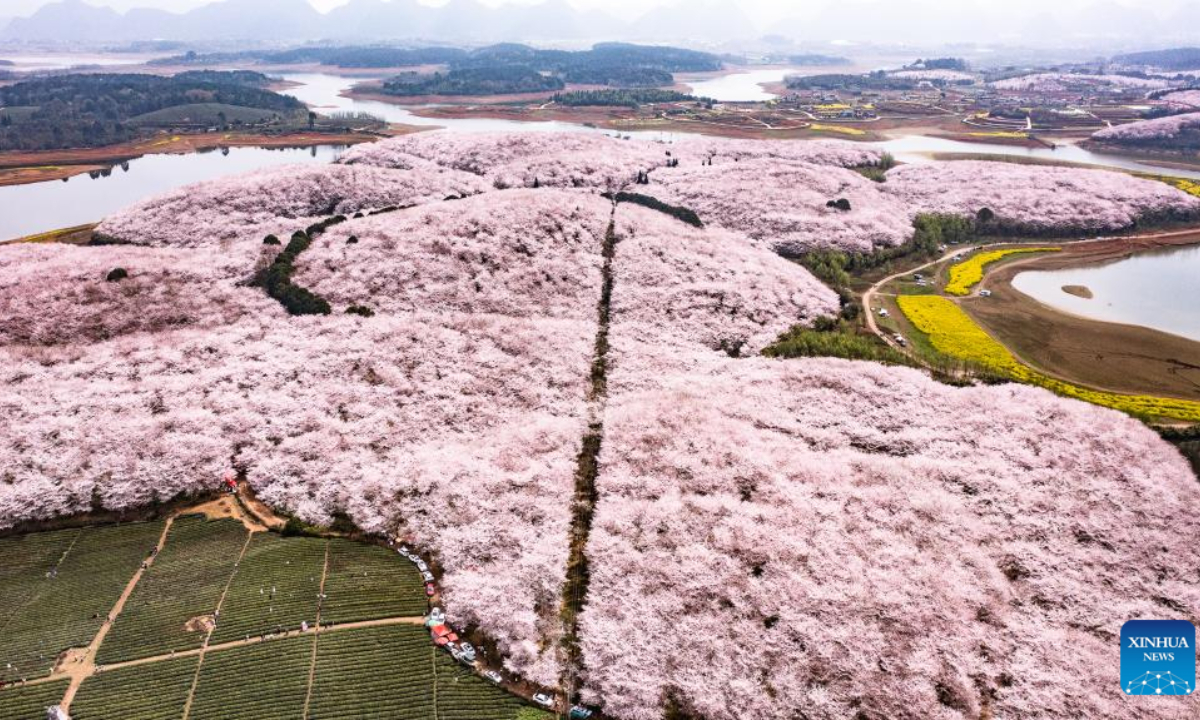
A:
<point x="297" y="20"/>
<point x="685" y="22"/>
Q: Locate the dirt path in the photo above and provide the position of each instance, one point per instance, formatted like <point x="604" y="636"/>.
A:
<point x="380" y="622"/>
<point x="187" y="706"/>
<point x="257" y="509"/>
<point x="80" y="666"/>
<point x="583" y="505"/>
<point x="312" y="663"/>
<point x="228" y="506"/>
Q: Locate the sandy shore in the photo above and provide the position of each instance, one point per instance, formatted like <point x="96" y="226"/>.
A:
<point x="1123" y="358"/>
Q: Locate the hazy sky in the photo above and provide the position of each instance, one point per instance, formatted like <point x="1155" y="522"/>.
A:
<point x="763" y="12"/>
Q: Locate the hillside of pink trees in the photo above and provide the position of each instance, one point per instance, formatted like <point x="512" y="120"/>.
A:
<point x="786" y="203"/>
<point x="949" y="76"/>
<point x="528" y="254"/>
<point x="1185" y="98"/>
<point x="826" y="539"/>
<point x="59" y="294"/>
<point x="589" y="160"/>
<point x="239" y="211"/>
<point x="1037" y="198"/>
<point x="788" y="532"/>
<point x="1064" y="82"/>
<point x="1164" y="128"/>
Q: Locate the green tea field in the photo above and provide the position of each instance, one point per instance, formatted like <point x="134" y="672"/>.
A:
<point x="211" y="618"/>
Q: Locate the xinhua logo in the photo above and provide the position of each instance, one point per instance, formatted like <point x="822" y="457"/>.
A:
<point x="1158" y="657"/>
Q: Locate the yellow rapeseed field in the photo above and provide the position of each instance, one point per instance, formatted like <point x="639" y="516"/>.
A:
<point x="1001" y="134"/>
<point x="1191" y="187"/>
<point x="837" y="129"/>
<point x="967" y="273"/>
<point x="953" y="332"/>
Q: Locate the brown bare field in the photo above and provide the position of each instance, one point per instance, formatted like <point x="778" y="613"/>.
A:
<point x="44" y="173"/>
<point x="1122" y="358"/>
<point x="983" y="137"/>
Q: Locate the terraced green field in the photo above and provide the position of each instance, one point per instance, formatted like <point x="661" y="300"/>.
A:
<point x="26" y="560"/>
<point x="275" y="587"/>
<point x="263" y="681"/>
<point x="153" y="691"/>
<point x="373" y="669"/>
<point x="66" y="607"/>
<point x="30" y="702"/>
<point x="185" y="582"/>
<point x="367" y="582"/>
<point x="58" y="587"/>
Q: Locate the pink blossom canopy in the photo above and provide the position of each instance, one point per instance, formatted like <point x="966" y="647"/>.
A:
<point x="806" y="538"/>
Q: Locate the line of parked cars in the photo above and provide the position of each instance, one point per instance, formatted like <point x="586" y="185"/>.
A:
<point x="444" y="636"/>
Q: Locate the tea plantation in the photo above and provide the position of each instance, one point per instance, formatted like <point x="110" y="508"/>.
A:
<point x="213" y="629"/>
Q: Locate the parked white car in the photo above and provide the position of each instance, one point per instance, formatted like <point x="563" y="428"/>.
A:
<point x="493" y="676"/>
<point x="427" y="576"/>
<point x="543" y="699"/>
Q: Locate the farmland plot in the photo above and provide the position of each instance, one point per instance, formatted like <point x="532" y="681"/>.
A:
<point x="263" y="681"/>
<point x="274" y="588"/>
<point x="153" y="691"/>
<point x="183" y="584"/>
<point x="367" y="582"/>
<point x="361" y="673"/>
<point x="30" y="702"/>
<point x="27" y="559"/>
<point x="68" y="605"/>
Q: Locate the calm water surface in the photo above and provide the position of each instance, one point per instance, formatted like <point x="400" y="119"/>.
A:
<point x="1159" y="290"/>
<point x="39" y="207"/>
<point x="741" y="86"/>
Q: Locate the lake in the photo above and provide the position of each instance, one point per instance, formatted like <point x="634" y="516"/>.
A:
<point x="1158" y="290"/>
<point x="740" y="86"/>
<point x="55" y="204"/>
<point x="918" y="148"/>
<point x="39" y="207"/>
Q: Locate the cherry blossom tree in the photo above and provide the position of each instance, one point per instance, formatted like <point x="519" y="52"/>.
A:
<point x="1164" y="128"/>
<point x="1036" y="198"/>
<point x="809" y="536"/>
<point x="834" y="539"/>
<point x="787" y="203"/>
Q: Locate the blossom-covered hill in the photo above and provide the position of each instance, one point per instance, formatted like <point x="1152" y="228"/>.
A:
<point x="801" y="538"/>
<point x="235" y="213"/>
<point x="829" y="539"/>
<point x="787" y="204"/>
<point x="1036" y="198"/>
<point x="1171" y="131"/>
<point x="1071" y="82"/>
